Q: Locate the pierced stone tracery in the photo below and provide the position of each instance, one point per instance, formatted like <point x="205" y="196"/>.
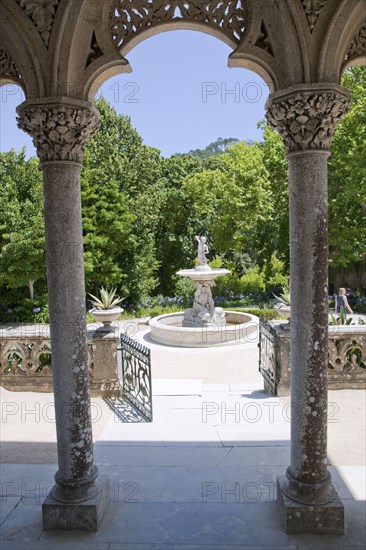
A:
<point x="128" y="18"/>
<point x="8" y="68"/>
<point x="358" y="45"/>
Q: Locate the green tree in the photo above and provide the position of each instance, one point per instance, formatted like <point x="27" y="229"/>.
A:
<point x="177" y="228"/>
<point x="230" y="201"/>
<point x="22" y="259"/>
<point x="347" y="178"/>
<point x="274" y="235"/>
<point x="107" y="229"/>
<point x="215" y="148"/>
<point x="132" y="171"/>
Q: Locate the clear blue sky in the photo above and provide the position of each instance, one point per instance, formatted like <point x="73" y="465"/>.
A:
<point x="178" y="95"/>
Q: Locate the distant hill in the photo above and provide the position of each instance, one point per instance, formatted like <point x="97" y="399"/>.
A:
<point x="215" y="148"/>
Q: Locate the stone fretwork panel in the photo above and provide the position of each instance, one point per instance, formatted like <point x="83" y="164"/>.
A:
<point x="358" y="45"/>
<point x="129" y="18"/>
<point x="8" y="68"/>
<point x="313" y="9"/>
<point x="59" y="131"/>
<point x="42" y="13"/>
<point x="307" y="119"/>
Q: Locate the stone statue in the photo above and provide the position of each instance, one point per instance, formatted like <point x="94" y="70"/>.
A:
<point x="202" y="250"/>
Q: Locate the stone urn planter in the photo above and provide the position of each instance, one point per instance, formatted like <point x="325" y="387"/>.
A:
<point x="107" y="317"/>
<point x="283" y="310"/>
<point x="106" y="309"/>
<point x="284" y="302"/>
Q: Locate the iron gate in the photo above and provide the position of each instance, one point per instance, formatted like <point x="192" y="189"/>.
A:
<point x="267" y="355"/>
<point x="136" y="376"/>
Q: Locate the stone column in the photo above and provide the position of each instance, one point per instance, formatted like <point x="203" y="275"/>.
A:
<point x="60" y="129"/>
<point x="306" y="117"/>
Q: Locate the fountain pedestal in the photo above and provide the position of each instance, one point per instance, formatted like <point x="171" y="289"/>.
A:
<point x="203" y="312"/>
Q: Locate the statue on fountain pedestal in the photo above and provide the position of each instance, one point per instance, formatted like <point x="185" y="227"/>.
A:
<point x="202" y="251"/>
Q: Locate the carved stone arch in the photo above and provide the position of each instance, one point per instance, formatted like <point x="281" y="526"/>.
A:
<point x="311" y="18"/>
<point x="261" y="49"/>
<point x="344" y="41"/>
<point x="85" y="55"/>
<point x="93" y="52"/>
<point x="19" y="63"/>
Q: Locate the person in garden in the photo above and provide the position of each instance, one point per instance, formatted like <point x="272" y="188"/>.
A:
<point x="341" y="301"/>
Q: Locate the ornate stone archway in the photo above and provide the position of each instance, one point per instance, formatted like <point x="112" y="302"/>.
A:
<point x="59" y="52"/>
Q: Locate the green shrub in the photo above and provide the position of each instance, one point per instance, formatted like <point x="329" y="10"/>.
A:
<point x="184" y="289"/>
<point x="264" y="314"/>
<point x="274" y="273"/>
<point x="252" y="282"/>
<point x="26" y="312"/>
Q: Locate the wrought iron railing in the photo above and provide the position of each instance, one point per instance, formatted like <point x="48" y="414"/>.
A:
<point x="136" y="376"/>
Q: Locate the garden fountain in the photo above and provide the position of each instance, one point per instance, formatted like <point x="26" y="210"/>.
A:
<point x="203" y="324"/>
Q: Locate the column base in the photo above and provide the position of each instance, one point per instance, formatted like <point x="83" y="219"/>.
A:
<point x="84" y="516"/>
<point x="326" y="519"/>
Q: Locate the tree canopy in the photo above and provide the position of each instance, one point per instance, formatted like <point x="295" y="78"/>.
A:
<point x="141" y="211"/>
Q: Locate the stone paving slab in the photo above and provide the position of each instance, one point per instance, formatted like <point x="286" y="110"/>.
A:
<point x="196" y="484"/>
<point x="7" y="505"/>
<point x="58" y="545"/>
<point x="177" y="386"/>
<point x="209" y="524"/>
<point x="256" y="455"/>
<point x="147" y="434"/>
<point x="116" y="454"/>
<point x="199" y="525"/>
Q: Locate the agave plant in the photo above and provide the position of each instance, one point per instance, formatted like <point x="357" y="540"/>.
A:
<point x="107" y="300"/>
<point x="284" y="297"/>
<point x="341" y="319"/>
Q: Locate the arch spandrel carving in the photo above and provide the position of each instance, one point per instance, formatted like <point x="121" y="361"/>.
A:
<point x="42" y="14"/>
<point x="343" y="43"/>
<point x="357" y="47"/>
<point x="129" y="19"/>
<point x="313" y="9"/>
<point x="9" y="71"/>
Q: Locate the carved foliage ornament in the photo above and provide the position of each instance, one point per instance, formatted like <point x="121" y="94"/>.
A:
<point x="307" y="120"/>
<point x="42" y="13"/>
<point x="59" y="132"/>
<point x="358" y="45"/>
<point x="313" y="9"/>
<point x="8" y="69"/>
<point x="129" y="17"/>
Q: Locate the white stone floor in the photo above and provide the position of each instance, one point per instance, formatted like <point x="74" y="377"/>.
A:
<point x="201" y="476"/>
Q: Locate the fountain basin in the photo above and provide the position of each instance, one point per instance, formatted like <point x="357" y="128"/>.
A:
<point x="239" y="328"/>
<point x="203" y="273"/>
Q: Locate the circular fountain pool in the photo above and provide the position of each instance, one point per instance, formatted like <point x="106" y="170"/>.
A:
<point x="169" y="330"/>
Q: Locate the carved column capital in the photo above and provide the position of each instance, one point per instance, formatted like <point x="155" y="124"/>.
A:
<point x="306" y="116"/>
<point x="59" y="128"/>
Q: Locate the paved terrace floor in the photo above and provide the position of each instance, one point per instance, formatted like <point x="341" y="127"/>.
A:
<point x="202" y="476"/>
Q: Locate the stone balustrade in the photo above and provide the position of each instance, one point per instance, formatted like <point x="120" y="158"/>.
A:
<point x="346" y="356"/>
<point x="26" y="360"/>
